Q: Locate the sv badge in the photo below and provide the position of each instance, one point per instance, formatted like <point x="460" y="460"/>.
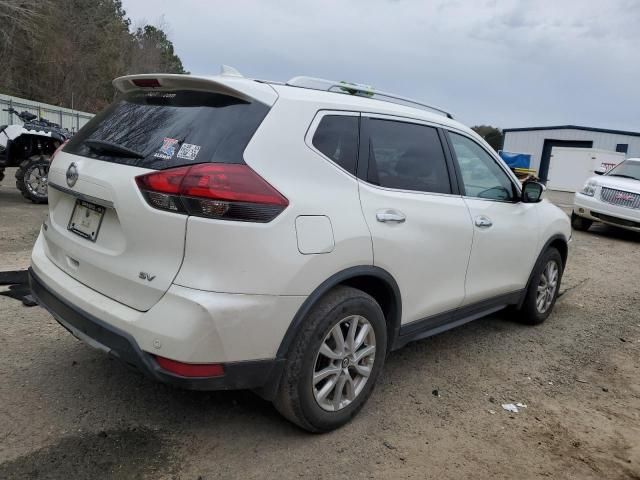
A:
<point x="146" y="276"/>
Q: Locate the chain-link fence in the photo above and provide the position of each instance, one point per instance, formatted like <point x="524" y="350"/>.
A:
<point x="67" y="118"/>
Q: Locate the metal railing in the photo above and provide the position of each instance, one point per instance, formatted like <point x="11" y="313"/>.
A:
<point x="65" y="117"/>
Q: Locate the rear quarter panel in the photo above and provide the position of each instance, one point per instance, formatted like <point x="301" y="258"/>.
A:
<point x="255" y="258"/>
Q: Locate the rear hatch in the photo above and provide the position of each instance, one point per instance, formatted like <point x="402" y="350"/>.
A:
<point x="101" y="229"/>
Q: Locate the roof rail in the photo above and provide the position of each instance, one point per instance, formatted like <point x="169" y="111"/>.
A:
<point x="362" y="91"/>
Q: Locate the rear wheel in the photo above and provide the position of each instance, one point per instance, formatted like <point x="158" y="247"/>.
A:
<point x="580" y="223"/>
<point x="543" y="289"/>
<point x="1" y="174"/>
<point x="334" y="361"/>
<point x="31" y="178"/>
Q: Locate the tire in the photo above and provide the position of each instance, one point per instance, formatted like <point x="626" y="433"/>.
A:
<point x="298" y="398"/>
<point x="580" y="223"/>
<point x="1" y="174"/>
<point x="530" y="313"/>
<point x="31" y="178"/>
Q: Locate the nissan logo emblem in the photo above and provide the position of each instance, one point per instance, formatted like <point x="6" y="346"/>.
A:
<point x="72" y="174"/>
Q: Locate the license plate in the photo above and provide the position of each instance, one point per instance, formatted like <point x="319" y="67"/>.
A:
<point x="86" y="219"/>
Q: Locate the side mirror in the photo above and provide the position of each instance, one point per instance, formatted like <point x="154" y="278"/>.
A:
<point x="600" y="171"/>
<point x="532" y="192"/>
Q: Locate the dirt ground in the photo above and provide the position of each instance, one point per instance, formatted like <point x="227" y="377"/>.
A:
<point x="68" y="411"/>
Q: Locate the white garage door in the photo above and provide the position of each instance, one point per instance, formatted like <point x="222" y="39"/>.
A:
<point x="570" y="168"/>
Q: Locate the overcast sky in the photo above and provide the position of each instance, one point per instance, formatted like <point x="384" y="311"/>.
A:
<point x="507" y="63"/>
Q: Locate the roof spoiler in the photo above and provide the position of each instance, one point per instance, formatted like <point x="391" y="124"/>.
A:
<point x="229" y="82"/>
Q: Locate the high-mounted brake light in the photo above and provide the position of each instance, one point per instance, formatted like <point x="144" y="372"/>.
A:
<point x="213" y="190"/>
<point x="191" y="369"/>
<point x="146" y="82"/>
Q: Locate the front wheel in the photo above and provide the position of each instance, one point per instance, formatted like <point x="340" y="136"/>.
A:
<point x="334" y="361"/>
<point x="543" y="289"/>
<point x="580" y="223"/>
<point x="31" y="178"/>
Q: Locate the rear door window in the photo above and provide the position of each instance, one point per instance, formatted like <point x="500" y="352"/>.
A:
<point x="166" y="129"/>
<point x="337" y="138"/>
<point x="406" y="156"/>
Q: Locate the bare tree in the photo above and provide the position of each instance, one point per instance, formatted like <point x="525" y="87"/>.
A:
<point x="19" y="14"/>
<point x="18" y="19"/>
<point x="45" y="62"/>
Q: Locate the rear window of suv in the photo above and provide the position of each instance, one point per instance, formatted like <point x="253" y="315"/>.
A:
<point x="337" y="138"/>
<point x="167" y="129"/>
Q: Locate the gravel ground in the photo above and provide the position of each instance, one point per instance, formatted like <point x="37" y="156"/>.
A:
<point x="68" y="411"/>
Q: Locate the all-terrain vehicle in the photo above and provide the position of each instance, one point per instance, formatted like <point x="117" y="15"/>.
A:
<point x="30" y="147"/>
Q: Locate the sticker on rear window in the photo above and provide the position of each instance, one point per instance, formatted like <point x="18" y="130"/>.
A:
<point x="188" y="151"/>
<point x="168" y="149"/>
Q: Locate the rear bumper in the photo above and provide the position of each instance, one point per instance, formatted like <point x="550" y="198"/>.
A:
<point x="255" y="374"/>
<point x="594" y="209"/>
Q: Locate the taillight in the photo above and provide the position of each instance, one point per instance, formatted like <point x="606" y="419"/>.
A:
<point x="162" y="189"/>
<point x="191" y="369"/>
<point x="213" y="190"/>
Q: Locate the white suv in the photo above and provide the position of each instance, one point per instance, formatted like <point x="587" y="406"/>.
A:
<point x="228" y="233"/>
<point x="613" y="198"/>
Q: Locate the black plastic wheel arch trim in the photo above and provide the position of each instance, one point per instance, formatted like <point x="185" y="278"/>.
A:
<point x="546" y="246"/>
<point x="333" y="281"/>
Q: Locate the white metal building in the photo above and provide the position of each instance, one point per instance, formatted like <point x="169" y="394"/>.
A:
<point x="539" y="142"/>
<point x="570" y="168"/>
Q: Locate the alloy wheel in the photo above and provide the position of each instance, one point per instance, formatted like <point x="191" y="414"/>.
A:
<point x="547" y="286"/>
<point x="344" y="363"/>
<point x="36" y="180"/>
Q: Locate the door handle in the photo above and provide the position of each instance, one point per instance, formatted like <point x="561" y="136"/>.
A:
<point x="390" y="215"/>
<point x="483" y="222"/>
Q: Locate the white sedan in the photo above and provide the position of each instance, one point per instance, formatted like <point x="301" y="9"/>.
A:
<point x="612" y="198"/>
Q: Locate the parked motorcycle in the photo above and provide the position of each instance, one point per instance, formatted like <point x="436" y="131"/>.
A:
<point x="29" y="147"/>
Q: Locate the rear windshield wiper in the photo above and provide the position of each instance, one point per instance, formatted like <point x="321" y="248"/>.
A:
<point x="110" y="147"/>
<point x="622" y="175"/>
